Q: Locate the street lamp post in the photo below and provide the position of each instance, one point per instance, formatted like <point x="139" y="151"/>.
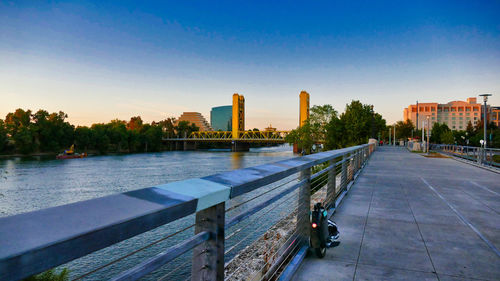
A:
<point x="485" y="121"/>
<point x="428" y="135"/>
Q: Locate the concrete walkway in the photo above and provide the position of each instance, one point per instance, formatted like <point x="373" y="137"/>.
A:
<point x="408" y="217"/>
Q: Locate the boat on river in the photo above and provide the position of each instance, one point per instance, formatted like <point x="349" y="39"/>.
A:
<point x="70" y="154"/>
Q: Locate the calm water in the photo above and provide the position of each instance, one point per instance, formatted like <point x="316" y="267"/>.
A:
<point x="33" y="184"/>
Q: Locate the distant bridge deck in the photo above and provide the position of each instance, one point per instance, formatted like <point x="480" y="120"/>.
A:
<point x="408" y="217"/>
<point x="227" y="136"/>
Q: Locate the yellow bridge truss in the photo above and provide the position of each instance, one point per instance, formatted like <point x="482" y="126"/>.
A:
<point x="246" y="136"/>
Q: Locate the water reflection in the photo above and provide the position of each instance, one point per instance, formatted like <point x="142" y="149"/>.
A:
<point x="236" y="160"/>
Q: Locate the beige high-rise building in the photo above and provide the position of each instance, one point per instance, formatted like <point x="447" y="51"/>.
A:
<point x="455" y="114"/>
<point x="197" y="119"/>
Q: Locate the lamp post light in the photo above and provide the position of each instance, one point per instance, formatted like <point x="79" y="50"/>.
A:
<point x="428" y="135"/>
<point x="485" y="121"/>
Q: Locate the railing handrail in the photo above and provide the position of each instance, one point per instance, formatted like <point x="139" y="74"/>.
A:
<point x="39" y="240"/>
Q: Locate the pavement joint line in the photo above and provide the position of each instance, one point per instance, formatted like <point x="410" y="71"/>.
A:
<point x="493" y="248"/>
<point x="363" y="237"/>
<point x="420" y="232"/>
<point x="478" y="200"/>
<point x="485" y="188"/>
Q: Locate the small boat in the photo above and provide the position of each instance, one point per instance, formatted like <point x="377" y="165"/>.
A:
<point x="70" y="154"/>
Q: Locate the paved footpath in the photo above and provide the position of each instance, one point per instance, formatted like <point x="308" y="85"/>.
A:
<point x="409" y="217"/>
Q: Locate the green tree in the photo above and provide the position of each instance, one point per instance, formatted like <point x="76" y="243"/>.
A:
<point x="319" y="118"/>
<point x="447" y="137"/>
<point x="117" y="133"/>
<point x="100" y="139"/>
<point x="184" y="129"/>
<point x="358" y="120"/>
<point x="17" y="119"/>
<point x="3" y="136"/>
<point x="404" y="130"/>
<point x="83" y="138"/>
<point x="24" y="141"/>
<point x="437" y="131"/>
<point x="303" y="136"/>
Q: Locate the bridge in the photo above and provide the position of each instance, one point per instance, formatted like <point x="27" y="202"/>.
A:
<point x="240" y="143"/>
<point x="401" y="216"/>
<point x="239" y="138"/>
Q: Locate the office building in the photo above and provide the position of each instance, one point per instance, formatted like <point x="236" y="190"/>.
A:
<point x="455" y="114"/>
<point x="195" y="118"/>
<point x="221" y="118"/>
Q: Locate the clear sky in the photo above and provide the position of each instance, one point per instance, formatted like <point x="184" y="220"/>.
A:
<point x="100" y="61"/>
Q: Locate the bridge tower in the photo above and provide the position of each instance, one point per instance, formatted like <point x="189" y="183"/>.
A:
<point x="303" y="107"/>
<point x="238" y="115"/>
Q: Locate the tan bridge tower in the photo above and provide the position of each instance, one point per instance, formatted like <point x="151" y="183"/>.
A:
<point x="238" y="115"/>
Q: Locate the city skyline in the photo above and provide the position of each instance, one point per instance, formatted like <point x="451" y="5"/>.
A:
<point x="98" y="62"/>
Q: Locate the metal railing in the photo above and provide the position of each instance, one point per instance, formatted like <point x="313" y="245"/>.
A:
<point x="472" y="153"/>
<point x="260" y="210"/>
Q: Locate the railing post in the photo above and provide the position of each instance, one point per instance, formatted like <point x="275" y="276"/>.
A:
<point x="208" y="257"/>
<point x="303" y="224"/>
<point x="331" y="185"/>
<point x="343" y="177"/>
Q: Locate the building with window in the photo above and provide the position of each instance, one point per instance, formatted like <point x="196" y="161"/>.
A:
<point x="455" y="114"/>
<point x="495" y="115"/>
<point x="195" y="118"/>
<point x="221" y="118"/>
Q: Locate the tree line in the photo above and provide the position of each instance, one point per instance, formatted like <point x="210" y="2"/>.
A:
<point x="25" y="132"/>
<point x="354" y="126"/>
<point x="442" y="134"/>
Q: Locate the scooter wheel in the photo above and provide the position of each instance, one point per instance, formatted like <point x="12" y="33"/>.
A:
<point x="320" y="252"/>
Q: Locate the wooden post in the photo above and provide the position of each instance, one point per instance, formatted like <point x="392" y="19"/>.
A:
<point x="331" y="185"/>
<point x="303" y="221"/>
<point x="208" y="257"/>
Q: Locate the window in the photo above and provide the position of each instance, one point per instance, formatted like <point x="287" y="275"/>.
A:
<point x="467" y="109"/>
<point x="453" y="118"/>
<point x="475" y="114"/>
<point x="468" y="114"/>
<point x="453" y="109"/>
<point x="461" y="114"/>
<point x="476" y="109"/>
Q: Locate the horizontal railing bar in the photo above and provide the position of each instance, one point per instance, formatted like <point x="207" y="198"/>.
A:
<point x="322" y="172"/>
<point x="162" y="258"/>
<point x="248" y="179"/>
<point x="233" y="221"/>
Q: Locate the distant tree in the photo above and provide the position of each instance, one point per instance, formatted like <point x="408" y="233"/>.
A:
<point x="437" y="131"/>
<point x="135" y="123"/>
<point x="404" y="129"/>
<point x="3" y="136"/>
<point x="255" y="130"/>
<point x="117" y="133"/>
<point x="24" y="141"/>
<point x="83" y="138"/>
<point x="184" y="129"/>
<point x="17" y="119"/>
<point x="100" y="139"/>
<point x="320" y="116"/>
<point x="447" y="137"/>
<point x="357" y="119"/>
<point x="470" y="128"/>
<point x="168" y="127"/>
<point x="303" y="136"/>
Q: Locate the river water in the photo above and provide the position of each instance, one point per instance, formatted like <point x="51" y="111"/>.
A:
<point x="37" y="183"/>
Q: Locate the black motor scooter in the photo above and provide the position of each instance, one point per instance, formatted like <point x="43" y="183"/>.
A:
<point x="324" y="232"/>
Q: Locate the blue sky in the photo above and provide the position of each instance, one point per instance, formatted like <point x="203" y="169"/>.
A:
<point x="100" y="61"/>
